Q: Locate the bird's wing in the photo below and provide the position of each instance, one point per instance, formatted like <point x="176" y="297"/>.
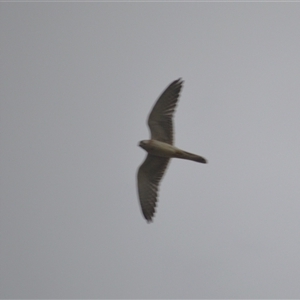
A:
<point x="148" y="178"/>
<point x="160" y="119"/>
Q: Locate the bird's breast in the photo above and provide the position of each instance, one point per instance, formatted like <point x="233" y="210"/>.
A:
<point x="158" y="148"/>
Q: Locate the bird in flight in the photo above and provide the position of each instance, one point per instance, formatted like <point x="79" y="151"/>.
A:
<point x="160" y="148"/>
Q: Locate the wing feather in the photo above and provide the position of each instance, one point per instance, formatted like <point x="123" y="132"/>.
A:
<point x="149" y="176"/>
<point x="160" y="120"/>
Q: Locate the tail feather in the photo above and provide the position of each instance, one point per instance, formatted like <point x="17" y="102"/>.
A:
<point x="190" y="156"/>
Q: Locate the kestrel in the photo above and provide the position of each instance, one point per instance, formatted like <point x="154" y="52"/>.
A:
<point x="160" y="148"/>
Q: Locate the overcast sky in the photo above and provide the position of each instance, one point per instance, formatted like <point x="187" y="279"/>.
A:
<point x="78" y="81"/>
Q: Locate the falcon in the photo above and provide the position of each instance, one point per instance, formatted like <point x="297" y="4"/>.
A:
<point x="160" y="149"/>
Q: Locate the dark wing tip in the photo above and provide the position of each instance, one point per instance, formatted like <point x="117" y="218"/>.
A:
<point x="149" y="213"/>
<point x="179" y="82"/>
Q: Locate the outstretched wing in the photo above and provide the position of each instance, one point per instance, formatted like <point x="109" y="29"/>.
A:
<point x="160" y="119"/>
<point x="148" y="178"/>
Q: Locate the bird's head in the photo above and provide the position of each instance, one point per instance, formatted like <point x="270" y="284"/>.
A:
<point x="143" y="144"/>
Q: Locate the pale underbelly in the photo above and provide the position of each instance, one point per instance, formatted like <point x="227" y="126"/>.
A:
<point x="161" y="149"/>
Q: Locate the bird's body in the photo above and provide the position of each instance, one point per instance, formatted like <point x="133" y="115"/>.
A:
<point x="160" y="148"/>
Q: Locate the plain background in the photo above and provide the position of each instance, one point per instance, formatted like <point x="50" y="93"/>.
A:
<point x="78" y="81"/>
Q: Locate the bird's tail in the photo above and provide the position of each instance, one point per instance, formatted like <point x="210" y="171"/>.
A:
<point x="190" y="156"/>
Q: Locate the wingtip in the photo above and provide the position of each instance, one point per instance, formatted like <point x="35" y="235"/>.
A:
<point x="148" y="216"/>
<point x="178" y="83"/>
<point x="149" y="219"/>
<point x="179" y="80"/>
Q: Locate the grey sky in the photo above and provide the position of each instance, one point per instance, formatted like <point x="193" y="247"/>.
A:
<point x="78" y="81"/>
